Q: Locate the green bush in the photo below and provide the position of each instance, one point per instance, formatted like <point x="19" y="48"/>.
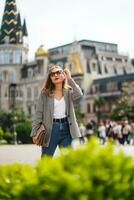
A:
<point x="1" y="133"/>
<point x="9" y="118"/>
<point x="8" y="136"/>
<point x="23" y="132"/>
<point x="12" y="178"/>
<point x="91" y="172"/>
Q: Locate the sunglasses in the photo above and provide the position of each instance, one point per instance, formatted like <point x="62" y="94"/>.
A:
<point x="52" y="74"/>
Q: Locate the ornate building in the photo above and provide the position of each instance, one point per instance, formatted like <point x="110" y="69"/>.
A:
<point x="91" y="63"/>
<point x="13" y="53"/>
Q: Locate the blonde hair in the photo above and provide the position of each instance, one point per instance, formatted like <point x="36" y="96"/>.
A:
<point x="49" y="87"/>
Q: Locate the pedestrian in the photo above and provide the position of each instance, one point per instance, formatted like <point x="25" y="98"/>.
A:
<point x="132" y="133"/>
<point x="89" y="130"/>
<point x="126" y="132"/>
<point x="83" y="133"/>
<point x="55" y="109"/>
<point x="102" y="133"/>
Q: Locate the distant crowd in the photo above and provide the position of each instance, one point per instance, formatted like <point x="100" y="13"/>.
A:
<point x="120" y="132"/>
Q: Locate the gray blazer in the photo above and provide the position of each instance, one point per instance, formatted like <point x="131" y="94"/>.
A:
<point x="45" y="109"/>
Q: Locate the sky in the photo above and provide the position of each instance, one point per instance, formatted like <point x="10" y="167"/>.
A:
<point x="58" y="22"/>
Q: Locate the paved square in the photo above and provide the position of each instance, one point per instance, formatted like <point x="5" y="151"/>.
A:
<point x="31" y="153"/>
<point x="19" y="153"/>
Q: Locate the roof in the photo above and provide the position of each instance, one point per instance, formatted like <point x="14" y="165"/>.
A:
<point x="11" y="31"/>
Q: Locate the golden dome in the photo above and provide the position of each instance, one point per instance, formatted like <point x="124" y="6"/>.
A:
<point x="41" y="51"/>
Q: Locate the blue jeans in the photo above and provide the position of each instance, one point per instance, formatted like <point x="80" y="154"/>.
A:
<point x="60" y="136"/>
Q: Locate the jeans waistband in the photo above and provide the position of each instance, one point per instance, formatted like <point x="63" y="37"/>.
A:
<point x="61" y="120"/>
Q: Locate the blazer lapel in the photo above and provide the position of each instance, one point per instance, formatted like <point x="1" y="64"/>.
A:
<point x="51" y="103"/>
<point x="66" y="101"/>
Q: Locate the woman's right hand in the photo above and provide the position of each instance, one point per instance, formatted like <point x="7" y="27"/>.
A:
<point x="67" y="73"/>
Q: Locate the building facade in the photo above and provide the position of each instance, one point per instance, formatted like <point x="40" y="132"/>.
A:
<point x="92" y="64"/>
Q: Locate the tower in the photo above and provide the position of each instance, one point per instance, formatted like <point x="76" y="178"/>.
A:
<point x="13" y="53"/>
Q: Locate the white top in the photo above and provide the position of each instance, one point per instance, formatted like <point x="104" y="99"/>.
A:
<point x="102" y="131"/>
<point x="59" y="108"/>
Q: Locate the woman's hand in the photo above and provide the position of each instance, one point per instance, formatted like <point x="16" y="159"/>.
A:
<point x="67" y="73"/>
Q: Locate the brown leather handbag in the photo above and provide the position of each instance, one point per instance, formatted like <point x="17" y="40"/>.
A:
<point x="40" y="136"/>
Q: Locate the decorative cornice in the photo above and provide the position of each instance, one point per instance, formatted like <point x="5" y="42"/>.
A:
<point x="8" y="32"/>
<point x="9" y="22"/>
<point x="10" y="12"/>
<point x="11" y="3"/>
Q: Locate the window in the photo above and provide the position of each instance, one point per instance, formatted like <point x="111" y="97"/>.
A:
<point x="88" y="67"/>
<point x="99" y="69"/>
<point x="93" y="89"/>
<point x="0" y="76"/>
<point x="18" y="57"/>
<point x="115" y="70"/>
<point x="94" y="108"/>
<point x="105" y="69"/>
<point x="109" y="58"/>
<point x="10" y="56"/>
<point x="29" y="110"/>
<point x="94" y="66"/>
<point x="5" y="75"/>
<point x="88" y="108"/>
<point x="6" y="56"/>
<point x="124" y="70"/>
<point x="10" y="77"/>
<point x="111" y="70"/>
<point x="118" y="59"/>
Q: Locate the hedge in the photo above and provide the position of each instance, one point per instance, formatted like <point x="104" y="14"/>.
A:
<point x="23" y="130"/>
<point x="91" y="172"/>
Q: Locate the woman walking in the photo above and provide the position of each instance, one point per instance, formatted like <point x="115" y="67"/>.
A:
<point x="55" y="110"/>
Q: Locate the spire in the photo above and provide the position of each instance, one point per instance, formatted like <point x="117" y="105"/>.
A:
<point x="19" y="21"/>
<point x="11" y="29"/>
<point x="25" y="33"/>
<point x="19" y="31"/>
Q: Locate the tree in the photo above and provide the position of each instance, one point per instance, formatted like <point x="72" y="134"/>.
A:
<point x="99" y="102"/>
<point x="1" y="133"/>
<point x="5" y="120"/>
<point x="9" y="121"/>
<point x="123" y="110"/>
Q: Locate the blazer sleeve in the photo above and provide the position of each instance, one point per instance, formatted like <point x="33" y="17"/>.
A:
<point x="38" y="117"/>
<point x="76" y="91"/>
